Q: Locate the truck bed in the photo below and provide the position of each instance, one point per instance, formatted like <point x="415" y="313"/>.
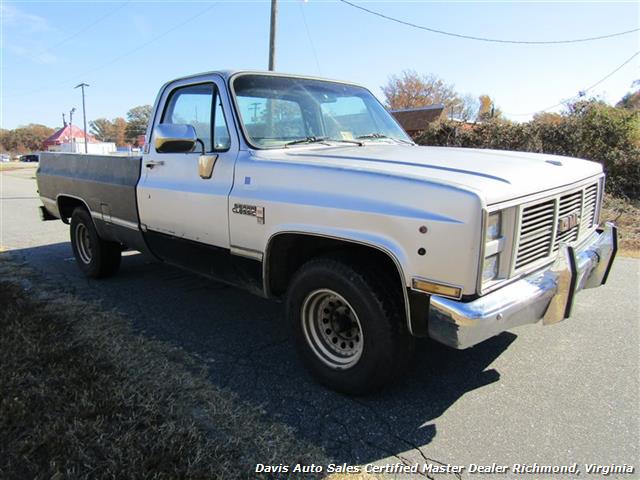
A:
<point x="106" y="185"/>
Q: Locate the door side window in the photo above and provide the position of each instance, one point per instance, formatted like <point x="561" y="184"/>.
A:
<point x="192" y="105"/>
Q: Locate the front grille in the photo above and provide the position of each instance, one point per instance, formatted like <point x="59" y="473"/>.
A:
<point x="590" y="207"/>
<point x="541" y="229"/>
<point x="536" y="232"/>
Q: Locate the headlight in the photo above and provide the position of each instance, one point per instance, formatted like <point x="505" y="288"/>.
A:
<point x="494" y="242"/>
<point x="490" y="268"/>
<point x="499" y="237"/>
<point x="494" y="226"/>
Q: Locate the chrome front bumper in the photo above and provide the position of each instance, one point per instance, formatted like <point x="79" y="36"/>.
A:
<point x="545" y="295"/>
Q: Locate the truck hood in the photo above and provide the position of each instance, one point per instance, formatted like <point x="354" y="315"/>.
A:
<point x="496" y="175"/>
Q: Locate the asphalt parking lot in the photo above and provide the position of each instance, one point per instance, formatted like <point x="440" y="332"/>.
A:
<point x="557" y="395"/>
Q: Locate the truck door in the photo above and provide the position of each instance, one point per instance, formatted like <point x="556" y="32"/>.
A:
<point x="184" y="217"/>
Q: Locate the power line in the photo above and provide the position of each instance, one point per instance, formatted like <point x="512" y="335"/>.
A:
<point x="313" y="48"/>
<point x="581" y="93"/>
<point x="485" y="39"/>
<point x="119" y="57"/>
<point x="87" y="27"/>
<point x="82" y="30"/>
<point x="612" y="72"/>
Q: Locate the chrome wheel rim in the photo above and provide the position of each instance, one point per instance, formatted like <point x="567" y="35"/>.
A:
<point x="83" y="244"/>
<point x="332" y="329"/>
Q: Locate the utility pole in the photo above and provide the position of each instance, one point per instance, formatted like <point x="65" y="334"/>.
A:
<point x="71" y="127"/>
<point x="255" y="106"/>
<point x="272" y="35"/>
<point x="84" y="116"/>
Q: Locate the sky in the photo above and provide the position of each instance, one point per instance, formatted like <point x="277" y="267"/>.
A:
<point x="126" y="50"/>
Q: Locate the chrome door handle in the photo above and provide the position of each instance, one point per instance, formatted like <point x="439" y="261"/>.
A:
<point x="152" y="163"/>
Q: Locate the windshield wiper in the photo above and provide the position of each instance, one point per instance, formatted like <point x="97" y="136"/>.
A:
<point x="381" y="135"/>
<point x="313" y="139"/>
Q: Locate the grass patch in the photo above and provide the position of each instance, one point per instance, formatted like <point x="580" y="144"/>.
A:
<point x="84" y="397"/>
<point x="6" y="166"/>
<point x="626" y="215"/>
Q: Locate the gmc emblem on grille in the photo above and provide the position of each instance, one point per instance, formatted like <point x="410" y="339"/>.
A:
<point x="568" y="222"/>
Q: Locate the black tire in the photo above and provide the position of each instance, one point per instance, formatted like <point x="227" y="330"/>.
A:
<point x="386" y="346"/>
<point x="96" y="258"/>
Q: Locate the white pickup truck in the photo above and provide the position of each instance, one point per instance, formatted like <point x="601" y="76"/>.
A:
<point x="307" y="190"/>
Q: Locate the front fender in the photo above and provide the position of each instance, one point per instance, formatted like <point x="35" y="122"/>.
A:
<point x="385" y="245"/>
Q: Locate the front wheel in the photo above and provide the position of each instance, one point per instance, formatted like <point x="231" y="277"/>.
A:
<point x="96" y="258"/>
<point x="349" y="327"/>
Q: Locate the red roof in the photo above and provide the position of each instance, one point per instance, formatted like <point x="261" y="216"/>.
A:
<point x="64" y="136"/>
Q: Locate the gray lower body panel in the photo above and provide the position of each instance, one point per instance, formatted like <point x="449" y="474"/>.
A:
<point x="105" y="184"/>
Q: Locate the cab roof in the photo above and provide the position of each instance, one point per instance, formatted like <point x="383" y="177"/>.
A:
<point x="227" y="74"/>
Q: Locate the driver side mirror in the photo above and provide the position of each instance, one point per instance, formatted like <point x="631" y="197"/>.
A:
<point x="174" y="138"/>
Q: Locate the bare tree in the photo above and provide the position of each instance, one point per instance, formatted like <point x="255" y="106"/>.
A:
<point x="412" y="90"/>
<point x="469" y="108"/>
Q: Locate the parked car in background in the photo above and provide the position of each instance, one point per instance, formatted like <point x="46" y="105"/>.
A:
<point x="34" y="157"/>
<point x="5" y="158"/>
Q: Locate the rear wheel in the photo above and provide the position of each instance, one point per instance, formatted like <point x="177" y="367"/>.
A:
<point x="96" y="258"/>
<point x="349" y="325"/>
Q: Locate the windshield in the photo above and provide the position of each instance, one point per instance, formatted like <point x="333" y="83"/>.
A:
<point x="283" y="111"/>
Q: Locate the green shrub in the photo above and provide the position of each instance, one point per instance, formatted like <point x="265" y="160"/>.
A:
<point x="588" y="129"/>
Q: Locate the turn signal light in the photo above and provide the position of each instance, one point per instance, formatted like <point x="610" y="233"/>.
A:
<point x="436" y="288"/>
